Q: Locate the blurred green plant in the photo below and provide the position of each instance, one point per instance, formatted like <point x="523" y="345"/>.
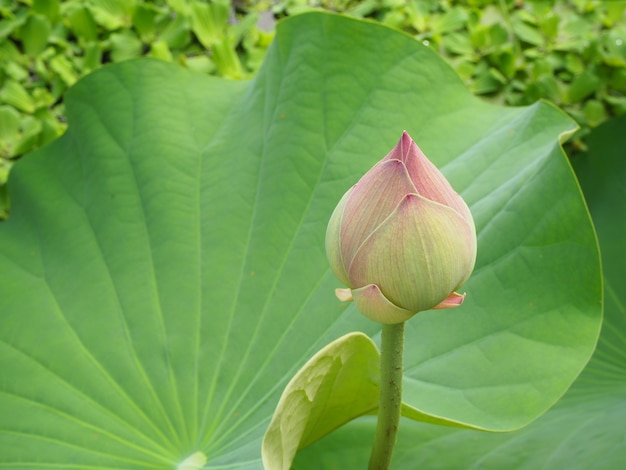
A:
<point x="514" y="52"/>
<point x="46" y="45"/>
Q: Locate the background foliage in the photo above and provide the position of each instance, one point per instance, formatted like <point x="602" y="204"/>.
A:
<point x="571" y="52"/>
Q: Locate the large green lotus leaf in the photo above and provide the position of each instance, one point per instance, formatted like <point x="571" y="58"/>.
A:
<point x="583" y="430"/>
<point x="163" y="270"/>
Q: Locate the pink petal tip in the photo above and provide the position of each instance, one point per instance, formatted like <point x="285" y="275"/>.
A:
<point x="453" y="300"/>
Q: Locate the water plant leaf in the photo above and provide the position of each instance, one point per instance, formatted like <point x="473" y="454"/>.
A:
<point x="163" y="269"/>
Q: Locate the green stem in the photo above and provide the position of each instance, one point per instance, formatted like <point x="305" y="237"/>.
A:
<point x="391" y="353"/>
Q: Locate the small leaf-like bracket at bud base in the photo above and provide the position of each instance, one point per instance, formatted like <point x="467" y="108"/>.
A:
<point x="453" y="300"/>
<point x="372" y="303"/>
<point x="344" y="295"/>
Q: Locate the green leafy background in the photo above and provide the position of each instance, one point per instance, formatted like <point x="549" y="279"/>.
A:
<point x="571" y="52"/>
<point x="163" y="273"/>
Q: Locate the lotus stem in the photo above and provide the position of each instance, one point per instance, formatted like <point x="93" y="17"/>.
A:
<point x="391" y="357"/>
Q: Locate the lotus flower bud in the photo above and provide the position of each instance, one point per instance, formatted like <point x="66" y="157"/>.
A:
<point x="401" y="239"/>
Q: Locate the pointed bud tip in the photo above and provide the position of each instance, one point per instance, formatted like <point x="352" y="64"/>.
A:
<point x="372" y="303"/>
<point x="405" y="143"/>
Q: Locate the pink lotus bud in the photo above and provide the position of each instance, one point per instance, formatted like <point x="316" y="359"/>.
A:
<point x="401" y="238"/>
